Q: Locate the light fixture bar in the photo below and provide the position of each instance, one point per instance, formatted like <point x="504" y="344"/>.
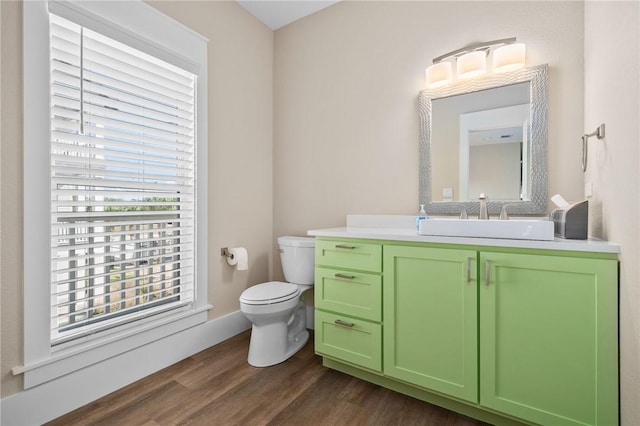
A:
<point x="473" y="47"/>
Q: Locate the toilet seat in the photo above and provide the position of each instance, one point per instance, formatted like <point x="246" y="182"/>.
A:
<point x="269" y="293"/>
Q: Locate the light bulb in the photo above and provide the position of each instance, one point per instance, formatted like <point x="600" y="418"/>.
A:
<point x="439" y="74"/>
<point x="509" y="58"/>
<point x="471" y="64"/>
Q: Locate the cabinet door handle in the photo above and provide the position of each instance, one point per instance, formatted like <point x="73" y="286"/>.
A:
<point x="348" y="277"/>
<point x="469" y="259"/>
<point x="487" y="272"/>
<point x="345" y="246"/>
<point x="344" y="323"/>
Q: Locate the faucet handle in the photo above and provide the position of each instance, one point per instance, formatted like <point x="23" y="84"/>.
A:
<point x="503" y="213"/>
<point x="463" y="214"/>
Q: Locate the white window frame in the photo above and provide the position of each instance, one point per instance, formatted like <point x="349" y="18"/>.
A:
<point x="144" y="28"/>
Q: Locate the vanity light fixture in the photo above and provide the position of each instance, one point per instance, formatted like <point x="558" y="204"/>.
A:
<point x="471" y="61"/>
<point x="439" y="74"/>
<point x="509" y="57"/>
<point x="471" y="64"/>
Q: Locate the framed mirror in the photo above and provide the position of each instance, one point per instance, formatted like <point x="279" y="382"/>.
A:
<point x="485" y="135"/>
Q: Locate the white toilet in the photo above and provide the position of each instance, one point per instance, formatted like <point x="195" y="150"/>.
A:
<point x="277" y="309"/>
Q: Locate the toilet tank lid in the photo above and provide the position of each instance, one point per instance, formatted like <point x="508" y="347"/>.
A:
<point x="297" y="241"/>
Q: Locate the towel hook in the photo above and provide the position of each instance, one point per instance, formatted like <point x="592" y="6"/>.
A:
<point x="598" y="133"/>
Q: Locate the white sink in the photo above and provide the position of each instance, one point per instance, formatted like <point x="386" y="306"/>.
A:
<point x="514" y="229"/>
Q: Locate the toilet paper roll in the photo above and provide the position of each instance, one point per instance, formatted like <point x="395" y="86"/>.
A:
<point x="239" y="258"/>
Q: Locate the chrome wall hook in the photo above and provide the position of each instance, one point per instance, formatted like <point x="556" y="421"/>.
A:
<point x="598" y="133"/>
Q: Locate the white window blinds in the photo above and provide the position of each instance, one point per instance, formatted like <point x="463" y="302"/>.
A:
<point x="122" y="183"/>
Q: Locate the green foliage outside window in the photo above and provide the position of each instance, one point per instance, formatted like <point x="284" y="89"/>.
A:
<point x="133" y="208"/>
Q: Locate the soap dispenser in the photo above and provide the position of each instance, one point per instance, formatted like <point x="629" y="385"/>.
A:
<point x="421" y="215"/>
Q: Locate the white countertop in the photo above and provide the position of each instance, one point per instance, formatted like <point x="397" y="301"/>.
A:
<point x="400" y="231"/>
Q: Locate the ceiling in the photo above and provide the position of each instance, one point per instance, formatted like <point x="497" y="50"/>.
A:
<point x="277" y="14"/>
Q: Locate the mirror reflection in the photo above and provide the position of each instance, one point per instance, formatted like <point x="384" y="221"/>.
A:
<point x="486" y="135"/>
<point x="480" y="143"/>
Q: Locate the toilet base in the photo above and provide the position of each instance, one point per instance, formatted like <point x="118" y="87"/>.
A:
<point x="265" y="350"/>
<point x="276" y="342"/>
<point x="297" y="344"/>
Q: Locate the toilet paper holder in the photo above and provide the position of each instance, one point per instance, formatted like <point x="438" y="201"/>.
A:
<point x="224" y="251"/>
<point x="236" y="257"/>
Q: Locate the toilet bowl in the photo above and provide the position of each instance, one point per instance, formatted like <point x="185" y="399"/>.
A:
<point x="277" y="309"/>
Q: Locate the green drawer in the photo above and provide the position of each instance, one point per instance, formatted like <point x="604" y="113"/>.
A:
<point x="341" y="254"/>
<point x="355" y="341"/>
<point x="355" y="293"/>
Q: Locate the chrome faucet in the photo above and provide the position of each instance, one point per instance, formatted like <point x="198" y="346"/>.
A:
<point x="484" y="212"/>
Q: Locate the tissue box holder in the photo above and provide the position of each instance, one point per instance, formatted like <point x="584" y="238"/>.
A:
<point x="572" y="222"/>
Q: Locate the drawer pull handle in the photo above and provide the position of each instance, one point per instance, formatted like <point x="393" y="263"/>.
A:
<point x="469" y="259"/>
<point x="344" y="323"/>
<point x="344" y="246"/>
<point x="348" y="277"/>
<point x="487" y="272"/>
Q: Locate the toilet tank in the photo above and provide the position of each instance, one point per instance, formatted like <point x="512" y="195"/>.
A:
<point x="297" y="255"/>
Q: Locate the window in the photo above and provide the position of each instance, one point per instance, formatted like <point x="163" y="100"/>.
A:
<point x="115" y="182"/>
<point x="122" y="183"/>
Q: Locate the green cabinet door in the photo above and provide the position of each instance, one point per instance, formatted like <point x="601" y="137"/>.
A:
<point x="430" y="319"/>
<point x="548" y="338"/>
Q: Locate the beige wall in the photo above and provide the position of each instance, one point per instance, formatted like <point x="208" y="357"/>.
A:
<point x="346" y="85"/>
<point x="612" y="96"/>
<point x="240" y="157"/>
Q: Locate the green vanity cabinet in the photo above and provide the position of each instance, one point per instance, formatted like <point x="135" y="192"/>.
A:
<point x="549" y="338"/>
<point x="506" y="335"/>
<point x="431" y="319"/>
<point x="348" y="302"/>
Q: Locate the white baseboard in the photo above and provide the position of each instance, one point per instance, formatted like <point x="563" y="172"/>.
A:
<point x="50" y="400"/>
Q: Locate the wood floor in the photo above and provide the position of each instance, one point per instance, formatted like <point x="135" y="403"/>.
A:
<point x="218" y="387"/>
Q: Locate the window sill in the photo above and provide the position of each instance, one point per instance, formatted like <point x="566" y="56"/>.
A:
<point x="95" y="350"/>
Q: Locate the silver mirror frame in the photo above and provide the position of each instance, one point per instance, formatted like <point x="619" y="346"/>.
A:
<point x="538" y="78"/>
